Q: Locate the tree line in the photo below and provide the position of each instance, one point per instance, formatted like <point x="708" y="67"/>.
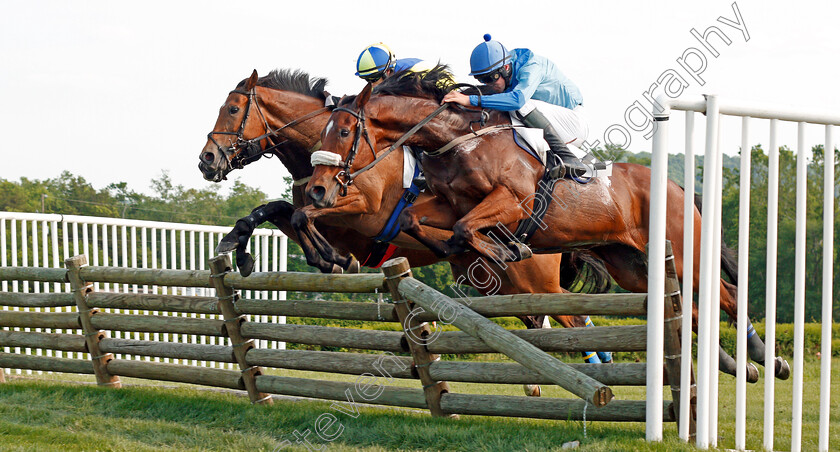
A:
<point x="72" y="194"/>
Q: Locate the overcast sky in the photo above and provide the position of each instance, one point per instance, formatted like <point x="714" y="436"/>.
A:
<point x="114" y="91"/>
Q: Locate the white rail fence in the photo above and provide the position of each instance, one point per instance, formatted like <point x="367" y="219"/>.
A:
<point x="709" y="314"/>
<point x="31" y="239"/>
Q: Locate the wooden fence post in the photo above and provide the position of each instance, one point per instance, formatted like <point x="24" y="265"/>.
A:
<point x="396" y="270"/>
<point x="2" y="375"/>
<point x="81" y="289"/>
<point x="673" y="349"/>
<point x="219" y="267"/>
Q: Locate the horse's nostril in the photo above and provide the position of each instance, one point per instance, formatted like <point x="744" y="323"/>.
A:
<point x="208" y="157"/>
<point x="317" y="193"/>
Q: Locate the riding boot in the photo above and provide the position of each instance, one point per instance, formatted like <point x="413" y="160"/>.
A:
<point x="569" y="163"/>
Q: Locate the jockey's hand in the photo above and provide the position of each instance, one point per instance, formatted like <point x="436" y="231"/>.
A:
<point x="458" y="98"/>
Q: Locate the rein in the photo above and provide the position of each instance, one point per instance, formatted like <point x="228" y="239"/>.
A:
<point x="470" y="136"/>
<point x="345" y="177"/>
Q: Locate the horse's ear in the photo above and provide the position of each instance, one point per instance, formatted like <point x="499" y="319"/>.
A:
<point x="252" y="81"/>
<point x="364" y="96"/>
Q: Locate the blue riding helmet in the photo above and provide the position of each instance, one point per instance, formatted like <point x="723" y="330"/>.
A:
<point x="374" y="61"/>
<point x="488" y="56"/>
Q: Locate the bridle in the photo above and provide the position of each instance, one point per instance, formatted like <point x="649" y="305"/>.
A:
<point x="344" y="178"/>
<point x="247" y="151"/>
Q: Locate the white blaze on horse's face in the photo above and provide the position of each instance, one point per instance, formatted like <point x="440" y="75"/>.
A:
<point x="329" y="127"/>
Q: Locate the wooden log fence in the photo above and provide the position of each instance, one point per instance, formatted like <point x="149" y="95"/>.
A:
<point x="397" y="354"/>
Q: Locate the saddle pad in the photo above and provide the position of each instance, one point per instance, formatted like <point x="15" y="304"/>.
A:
<point x="534" y="139"/>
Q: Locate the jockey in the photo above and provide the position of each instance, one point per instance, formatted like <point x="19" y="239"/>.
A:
<point x="377" y="62"/>
<point x="520" y="77"/>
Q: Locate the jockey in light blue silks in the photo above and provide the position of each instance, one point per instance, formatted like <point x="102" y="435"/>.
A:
<point x="533" y="87"/>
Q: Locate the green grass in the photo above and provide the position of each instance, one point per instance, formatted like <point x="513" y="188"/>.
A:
<point x="47" y="413"/>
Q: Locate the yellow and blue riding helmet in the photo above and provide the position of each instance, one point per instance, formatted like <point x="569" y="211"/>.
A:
<point x="374" y="61"/>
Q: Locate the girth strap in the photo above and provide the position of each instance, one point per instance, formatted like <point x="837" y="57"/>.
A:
<point x="542" y="199"/>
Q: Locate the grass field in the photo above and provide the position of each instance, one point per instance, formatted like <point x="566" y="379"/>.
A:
<point x="49" y="413"/>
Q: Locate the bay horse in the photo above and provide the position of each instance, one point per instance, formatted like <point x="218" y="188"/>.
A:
<point x="277" y="103"/>
<point x="485" y="185"/>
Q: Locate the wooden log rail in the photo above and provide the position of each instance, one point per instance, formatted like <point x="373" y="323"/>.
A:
<point x="289" y="281"/>
<point x="497" y="306"/>
<point x="433" y="373"/>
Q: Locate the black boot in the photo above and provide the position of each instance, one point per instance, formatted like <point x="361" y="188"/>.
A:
<point x="569" y="163"/>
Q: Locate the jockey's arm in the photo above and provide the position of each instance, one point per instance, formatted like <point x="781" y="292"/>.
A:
<point x="528" y="78"/>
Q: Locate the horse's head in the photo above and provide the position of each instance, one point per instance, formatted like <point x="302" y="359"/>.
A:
<point x="260" y="117"/>
<point x="228" y="145"/>
<point x="345" y="137"/>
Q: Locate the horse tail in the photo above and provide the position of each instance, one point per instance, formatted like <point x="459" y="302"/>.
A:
<point x="728" y="258"/>
<point x="583" y="272"/>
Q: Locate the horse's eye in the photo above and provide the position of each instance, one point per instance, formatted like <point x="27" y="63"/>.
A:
<point x="344" y="133"/>
<point x="233" y="110"/>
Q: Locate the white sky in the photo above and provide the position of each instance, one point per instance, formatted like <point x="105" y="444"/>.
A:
<point x="116" y="92"/>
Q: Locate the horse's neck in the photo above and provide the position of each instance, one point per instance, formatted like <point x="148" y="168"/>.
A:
<point x="296" y="159"/>
<point x="281" y="108"/>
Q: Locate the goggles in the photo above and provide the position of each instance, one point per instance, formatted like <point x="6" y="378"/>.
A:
<point x="490" y="77"/>
<point x="372" y="77"/>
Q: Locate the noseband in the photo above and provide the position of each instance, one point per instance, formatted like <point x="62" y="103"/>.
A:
<point x="247" y="151"/>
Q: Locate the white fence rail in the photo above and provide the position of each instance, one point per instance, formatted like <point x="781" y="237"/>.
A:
<point x="709" y="314"/>
<point x="31" y="239"/>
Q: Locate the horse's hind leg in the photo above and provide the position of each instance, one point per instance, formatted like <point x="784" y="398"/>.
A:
<point x="755" y="346"/>
<point x="583" y="321"/>
<point x="533" y="322"/>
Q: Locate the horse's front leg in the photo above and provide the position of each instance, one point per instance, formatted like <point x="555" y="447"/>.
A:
<point x="277" y="212"/>
<point x="349" y="263"/>
<point x="435" y="213"/>
<point x="303" y="223"/>
<point x="499" y="208"/>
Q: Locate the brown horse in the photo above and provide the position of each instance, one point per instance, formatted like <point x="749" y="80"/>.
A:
<point x="487" y="184"/>
<point x="277" y="103"/>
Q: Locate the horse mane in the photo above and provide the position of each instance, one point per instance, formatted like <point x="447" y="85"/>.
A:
<point x="294" y="80"/>
<point x="434" y="83"/>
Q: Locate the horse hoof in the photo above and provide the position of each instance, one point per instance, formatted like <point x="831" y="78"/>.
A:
<point x="752" y="373"/>
<point x="532" y="390"/>
<point x="225" y="247"/>
<point x="782" y="368"/>
<point x="246" y="266"/>
<point x="336" y="269"/>
<point x="354" y="266"/>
